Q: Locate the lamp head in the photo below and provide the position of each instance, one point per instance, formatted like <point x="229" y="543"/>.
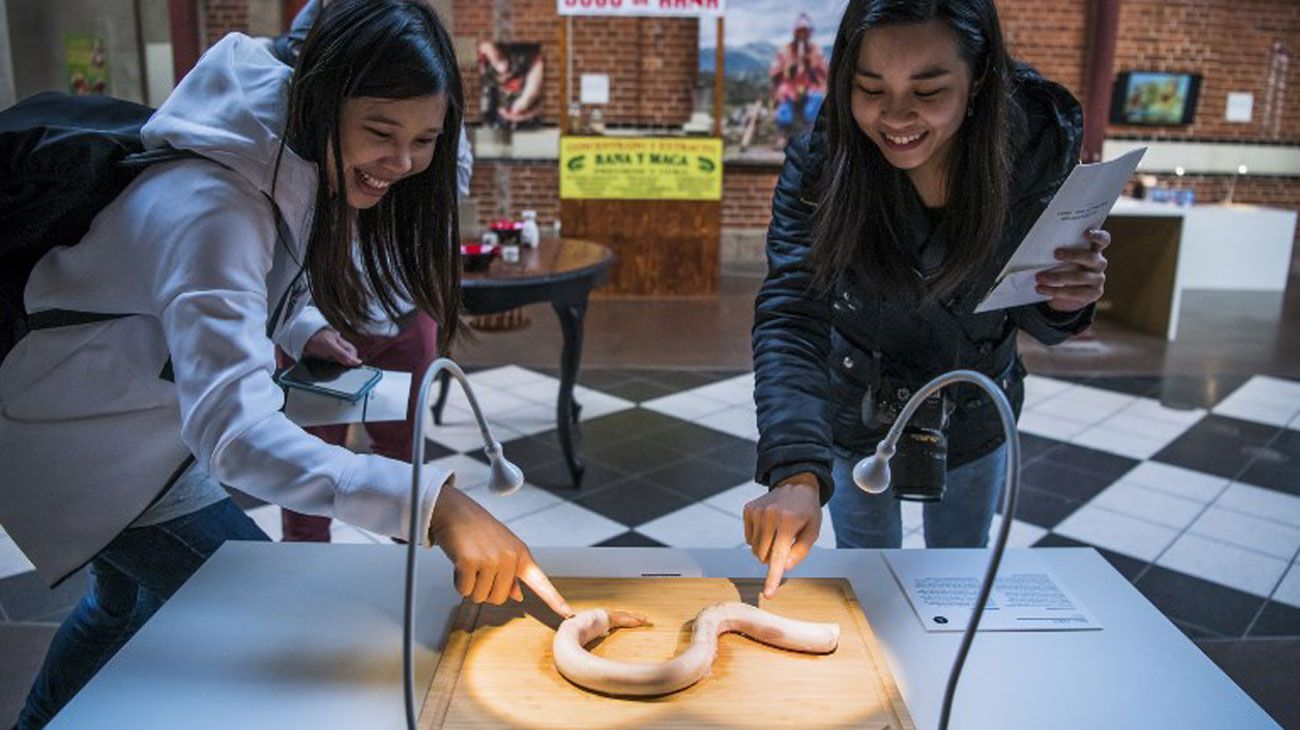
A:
<point x="505" y="478"/>
<point x="872" y="473"/>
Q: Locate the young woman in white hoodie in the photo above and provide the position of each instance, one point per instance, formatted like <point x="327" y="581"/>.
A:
<point x="215" y="257"/>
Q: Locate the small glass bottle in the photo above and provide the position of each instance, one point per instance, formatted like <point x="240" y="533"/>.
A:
<point x="530" y="235"/>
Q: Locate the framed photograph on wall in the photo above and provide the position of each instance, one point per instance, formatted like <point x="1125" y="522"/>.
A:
<point x="777" y="62"/>
<point x="511" y="86"/>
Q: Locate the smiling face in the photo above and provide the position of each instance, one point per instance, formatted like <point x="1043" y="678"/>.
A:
<point x="911" y="88"/>
<point x="385" y="140"/>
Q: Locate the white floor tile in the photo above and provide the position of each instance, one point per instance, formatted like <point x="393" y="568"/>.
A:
<point x="527" y="500"/>
<point x="1266" y="503"/>
<point x="1118" y="442"/>
<point x="736" y="421"/>
<point x="544" y="390"/>
<point x="733" y="500"/>
<point x="1288" y="591"/>
<point x="1039" y="389"/>
<point x="1154" y="409"/>
<point x="1273" y="413"/>
<point x="686" y="405"/>
<point x="12" y="560"/>
<point x="1113" y="531"/>
<point x="698" y="525"/>
<point x="471" y="474"/>
<point x="1245" y="570"/>
<point x="1161" y="508"/>
<point x="1176" y="480"/>
<point x="596" y="404"/>
<point x="495" y="402"/>
<point x="912" y="514"/>
<point x="464" y="437"/>
<point x="826" y="538"/>
<point x="1272" y="538"/>
<point x="1150" y="427"/>
<point x="529" y="419"/>
<point x="733" y="391"/>
<point x="507" y="377"/>
<point x="565" y="525"/>
<point x="914" y="540"/>
<point x="1023" y="534"/>
<point x="1039" y="423"/>
<point x="267" y="517"/>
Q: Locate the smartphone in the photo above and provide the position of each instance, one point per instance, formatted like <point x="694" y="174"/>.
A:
<point x="330" y="378"/>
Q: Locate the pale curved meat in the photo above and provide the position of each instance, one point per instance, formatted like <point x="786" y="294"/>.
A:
<point x="657" y="678"/>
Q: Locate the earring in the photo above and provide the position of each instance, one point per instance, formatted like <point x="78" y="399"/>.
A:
<point x="970" y="111"/>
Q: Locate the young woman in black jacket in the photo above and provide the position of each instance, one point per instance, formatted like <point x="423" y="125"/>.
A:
<point x="933" y="156"/>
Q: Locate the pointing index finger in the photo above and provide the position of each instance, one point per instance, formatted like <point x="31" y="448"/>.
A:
<point x="535" y="579"/>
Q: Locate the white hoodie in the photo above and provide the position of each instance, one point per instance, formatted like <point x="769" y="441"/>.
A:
<point x="90" y="432"/>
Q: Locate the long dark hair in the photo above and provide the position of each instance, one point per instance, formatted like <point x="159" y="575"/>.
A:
<point x="857" y="224"/>
<point x="409" y="241"/>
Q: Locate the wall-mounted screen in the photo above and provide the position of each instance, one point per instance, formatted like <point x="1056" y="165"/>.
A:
<point x="1154" y="98"/>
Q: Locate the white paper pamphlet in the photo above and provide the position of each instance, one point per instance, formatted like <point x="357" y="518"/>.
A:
<point x="387" y="401"/>
<point x="1081" y="204"/>
<point x="942" y="586"/>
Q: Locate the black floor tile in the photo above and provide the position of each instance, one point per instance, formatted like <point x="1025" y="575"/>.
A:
<point x="633" y="502"/>
<point x="1043" y="508"/>
<point x="529" y="453"/>
<point x="637" y="390"/>
<point x="694" y="440"/>
<point x="1194" y="632"/>
<point x="1128" y="567"/>
<point x="434" y="450"/>
<point x="1101" y="463"/>
<point x="1218" y="445"/>
<point x="634" y="456"/>
<point x="1277" y="466"/>
<point x="680" y="380"/>
<point x="1198" y="391"/>
<point x="1033" y="448"/>
<point x="604" y="378"/>
<point x="26" y="597"/>
<point x="1277" y="619"/>
<point x="697" y="478"/>
<point x="556" y="478"/>
<point x="1139" y="385"/>
<point x="598" y="433"/>
<point x="1266" y="669"/>
<point x="741" y="455"/>
<point x="632" y="538"/>
<point x="1074" y="484"/>
<point x="1220" y="609"/>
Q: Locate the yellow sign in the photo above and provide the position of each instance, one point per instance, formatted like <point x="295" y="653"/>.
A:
<point x="640" y="168"/>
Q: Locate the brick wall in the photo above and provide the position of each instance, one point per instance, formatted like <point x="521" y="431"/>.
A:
<point x="221" y="17"/>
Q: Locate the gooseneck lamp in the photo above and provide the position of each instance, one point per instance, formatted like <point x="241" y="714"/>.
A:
<point x="872" y="476"/>
<point x="505" y="478"/>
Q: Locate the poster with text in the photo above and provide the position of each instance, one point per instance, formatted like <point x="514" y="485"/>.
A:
<point x="777" y="59"/>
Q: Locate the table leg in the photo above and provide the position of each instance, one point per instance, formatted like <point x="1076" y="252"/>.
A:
<point x="444" y="382"/>
<point x="567" y="409"/>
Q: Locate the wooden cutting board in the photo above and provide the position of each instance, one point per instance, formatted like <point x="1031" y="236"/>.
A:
<point x="497" y="670"/>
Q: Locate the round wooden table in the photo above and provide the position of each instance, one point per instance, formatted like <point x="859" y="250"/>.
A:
<point x="562" y="271"/>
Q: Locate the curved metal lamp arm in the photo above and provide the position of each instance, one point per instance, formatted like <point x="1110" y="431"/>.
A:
<point x="506" y="478"/>
<point x="872" y="475"/>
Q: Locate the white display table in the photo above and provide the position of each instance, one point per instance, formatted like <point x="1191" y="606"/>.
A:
<point x="1159" y="250"/>
<point x="272" y="635"/>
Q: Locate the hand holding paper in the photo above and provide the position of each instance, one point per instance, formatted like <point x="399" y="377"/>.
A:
<point x="1081" y="205"/>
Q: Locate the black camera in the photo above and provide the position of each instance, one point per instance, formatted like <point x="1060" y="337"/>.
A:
<point x="919" y="468"/>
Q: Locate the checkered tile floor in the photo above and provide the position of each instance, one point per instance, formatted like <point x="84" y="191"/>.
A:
<point x="1189" y="487"/>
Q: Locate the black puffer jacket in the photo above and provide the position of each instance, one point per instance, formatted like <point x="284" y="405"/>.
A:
<point x="815" y="355"/>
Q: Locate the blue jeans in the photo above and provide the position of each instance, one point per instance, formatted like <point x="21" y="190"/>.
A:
<point x="962" y="519"/>
<point x="139" y="570"/>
